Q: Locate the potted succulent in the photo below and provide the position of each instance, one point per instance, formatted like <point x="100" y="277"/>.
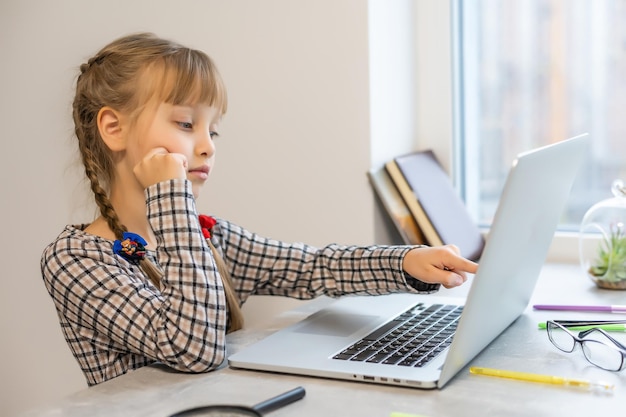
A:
<point x="604" y="259"/>
<point x="608" y="270"/>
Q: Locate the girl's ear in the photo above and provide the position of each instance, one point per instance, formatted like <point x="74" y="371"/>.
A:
<point x="110" y="128"/>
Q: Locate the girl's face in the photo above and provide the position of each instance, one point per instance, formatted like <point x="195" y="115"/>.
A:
<point x="187" y="130"/>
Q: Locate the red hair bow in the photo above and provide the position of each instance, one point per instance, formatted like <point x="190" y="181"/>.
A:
<point x="207" y="223"/>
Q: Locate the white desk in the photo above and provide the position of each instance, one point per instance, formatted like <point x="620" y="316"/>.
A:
<point x="157" y="391"/>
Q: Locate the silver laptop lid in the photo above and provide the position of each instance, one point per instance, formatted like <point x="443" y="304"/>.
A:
<point x="533" y="199"/>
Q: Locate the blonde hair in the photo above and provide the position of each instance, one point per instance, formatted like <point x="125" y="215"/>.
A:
<point x="114" y="77"/>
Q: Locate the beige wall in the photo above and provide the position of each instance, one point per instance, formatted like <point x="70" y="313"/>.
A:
<point x="295" y="144"/>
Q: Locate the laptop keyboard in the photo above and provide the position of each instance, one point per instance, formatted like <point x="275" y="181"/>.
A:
<point x="413" y="338"/>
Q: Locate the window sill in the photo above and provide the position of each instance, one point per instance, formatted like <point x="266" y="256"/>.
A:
<point x="563" y="249"/>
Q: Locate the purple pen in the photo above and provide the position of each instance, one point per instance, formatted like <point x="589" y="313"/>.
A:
<point x="606" y="309"/>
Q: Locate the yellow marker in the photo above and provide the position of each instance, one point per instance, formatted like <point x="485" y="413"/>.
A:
<point x="546" y="379"/>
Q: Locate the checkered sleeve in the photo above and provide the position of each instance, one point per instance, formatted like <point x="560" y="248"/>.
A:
<point x="192" y="318"/>
<point x="265" y="266"/>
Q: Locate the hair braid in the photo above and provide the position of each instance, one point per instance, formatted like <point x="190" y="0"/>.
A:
<point x="102" y="199"/>
<point x="235" y="314"/>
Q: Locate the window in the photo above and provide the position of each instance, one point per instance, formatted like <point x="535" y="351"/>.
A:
<point x="534" y="72"/>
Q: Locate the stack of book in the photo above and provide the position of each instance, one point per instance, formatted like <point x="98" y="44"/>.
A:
<point x="423" y="204"/>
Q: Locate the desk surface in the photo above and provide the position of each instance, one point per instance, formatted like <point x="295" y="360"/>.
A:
<point x="158" y="391"/>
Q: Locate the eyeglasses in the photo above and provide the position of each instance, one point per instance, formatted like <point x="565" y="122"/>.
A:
<point x="599" y="348"/>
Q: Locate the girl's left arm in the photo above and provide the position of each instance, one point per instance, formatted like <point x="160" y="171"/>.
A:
<point x="264" y="266"/>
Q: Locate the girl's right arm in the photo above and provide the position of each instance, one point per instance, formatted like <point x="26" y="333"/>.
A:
<point x="191" y="289"/>
<point x="114" y="308"/>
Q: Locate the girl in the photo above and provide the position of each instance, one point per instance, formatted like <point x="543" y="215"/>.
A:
<point x="151" y="280"/>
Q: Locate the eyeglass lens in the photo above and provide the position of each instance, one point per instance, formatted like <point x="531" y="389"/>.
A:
<point x="560" y="337"/>
<point x="601" y="352"/>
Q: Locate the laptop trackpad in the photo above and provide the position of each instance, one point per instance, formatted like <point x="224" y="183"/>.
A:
<point x="335" y="324"/>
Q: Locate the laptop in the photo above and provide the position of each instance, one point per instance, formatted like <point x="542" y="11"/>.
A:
<point x="371" y="338"/>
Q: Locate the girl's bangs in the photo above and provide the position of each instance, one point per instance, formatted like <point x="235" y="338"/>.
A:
<point x="189" y="77"/>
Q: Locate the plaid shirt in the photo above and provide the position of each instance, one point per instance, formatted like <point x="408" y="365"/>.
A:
<point x="115" y="320"/>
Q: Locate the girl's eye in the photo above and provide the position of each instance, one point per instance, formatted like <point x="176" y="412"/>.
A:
<point x="185" y="125"/>
<point x="214" y="134"/>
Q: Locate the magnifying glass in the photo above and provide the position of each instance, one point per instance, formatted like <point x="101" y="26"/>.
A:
<point x="258" y="410"/>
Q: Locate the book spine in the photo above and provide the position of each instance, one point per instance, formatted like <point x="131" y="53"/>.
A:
<point x="395" y="207"/>
<point x="409" y="197"/>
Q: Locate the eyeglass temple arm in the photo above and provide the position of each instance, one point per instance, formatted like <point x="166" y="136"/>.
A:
<point x="608" y="336"/>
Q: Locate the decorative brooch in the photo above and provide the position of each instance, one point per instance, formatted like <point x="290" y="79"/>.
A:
<point x="132" y="247"/>
<point x="207" y="223"/>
